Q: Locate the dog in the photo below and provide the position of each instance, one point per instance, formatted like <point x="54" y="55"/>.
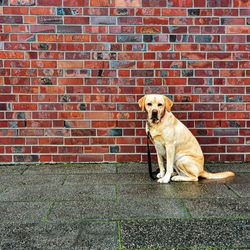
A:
<point x="174" y="142"/>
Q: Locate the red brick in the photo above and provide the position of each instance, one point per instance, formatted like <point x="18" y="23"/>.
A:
<point x="148" y="11"/>
<point x="238" y="29"/>
<point x="48" y="3"/>
<point x="241" y="3"/>
<point x="94" y="149"/>
<point x="16" y="10"/>
<point x="76" y="20"/>
<point x="70" y="47"/>
<point x="4" y="37"/>
<point x="174" y="12"/>
<point x="42" y="11"/>
<point x="5" y="158"/>
<point x="64" y="158"/>
<point x="182" y="21"/>
<point x="180" y="3"/>
<point x="103" y="3"/>
<point x="132" y="3"/>
<point x="89" y="158"/>
<point x="70" y="150"/>
<point x="231" y="157"/>
<point x="219" y="56"/>
<point x="233" y="39"/>
<point x="213" y="149"/>
<point x="49" y="38"/>
<point x="77" y="141"/>
<point x="43" y="28"/>
<point x="44" y="64"/>
<point x="128" y="158"/>
<point x="223" y="3"/>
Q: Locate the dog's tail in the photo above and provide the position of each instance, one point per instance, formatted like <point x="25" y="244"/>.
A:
<point x="220" y="175"/>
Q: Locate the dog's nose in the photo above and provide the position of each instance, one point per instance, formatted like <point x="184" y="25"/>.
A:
<point x="154" y="113"/>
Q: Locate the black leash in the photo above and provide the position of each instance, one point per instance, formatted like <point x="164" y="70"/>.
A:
<point x="153" y="175"/>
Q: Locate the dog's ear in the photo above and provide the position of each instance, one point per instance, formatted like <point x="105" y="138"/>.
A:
<point x="141" y="103"/>
<point x="168" y="103"/>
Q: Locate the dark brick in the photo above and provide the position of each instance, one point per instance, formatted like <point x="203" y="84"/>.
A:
<point x="115" y="132"/>
<point x="69" y="29"/>
<point x="46" y="81"/>
<point x="172" y="38"/>
<point x="234" y="124"/>
<point x="43" y="46"/>
<point x="50" y="20"/>
<point x="3" y="106"/>
<point x="237" y="98"/>
<point x="187" y="73"/>
<point x="103" y="20"/>
<point x="114" y="149"/>
<point x="122" y="12"/>
<point x="11" y="19"/>
<point x="148" y="38"/>
<point x="129" y="38"/>
<point x="203" y="38"/>
<point x="194" y="12"/>
<point x="83" y="106"/>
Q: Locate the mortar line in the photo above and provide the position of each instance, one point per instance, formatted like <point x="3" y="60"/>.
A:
<point x="233" y="191"/>
<point x="119" y="235"/>
<point x="46" y="216"/>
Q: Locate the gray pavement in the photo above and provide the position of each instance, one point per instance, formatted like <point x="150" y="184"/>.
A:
<point x="117" y="206"/>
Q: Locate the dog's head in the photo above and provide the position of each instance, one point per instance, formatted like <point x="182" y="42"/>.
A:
<point x="156" y="106"/>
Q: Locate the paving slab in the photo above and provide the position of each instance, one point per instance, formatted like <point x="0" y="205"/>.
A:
<point x="176" y="190"/>
<point x="12" y="169"/>
<point x="23" y="211"/>
<point x="171" y="234"/>
<point x="126" y="178"/>
<point x="57" y="193"/>
<point x="218" y="208"/>
<point x="71" y="168"/>
<point x="239" y="178"/>
<point x="243" y="190"/>
<point x="88" y="209"/>
<point x="235" y="167"/>
<point x="24" y="180"/>
<point x="133" y="167"/>
<point x="116" y="210"/>
<point x="59" y="236"/>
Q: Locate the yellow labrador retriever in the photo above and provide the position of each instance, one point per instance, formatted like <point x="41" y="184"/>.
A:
<point x="175" y="143"/>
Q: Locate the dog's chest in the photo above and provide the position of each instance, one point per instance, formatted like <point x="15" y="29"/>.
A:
<point x="160" y="148"/>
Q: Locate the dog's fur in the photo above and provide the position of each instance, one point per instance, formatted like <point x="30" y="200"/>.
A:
<point x="175" y="143"/>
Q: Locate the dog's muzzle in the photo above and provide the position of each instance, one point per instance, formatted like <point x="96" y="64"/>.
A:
<point x="154" y="116"/>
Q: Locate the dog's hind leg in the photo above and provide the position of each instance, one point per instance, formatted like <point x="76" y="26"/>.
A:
<point x="187" y="170"/>
<point x="184" y="178"/>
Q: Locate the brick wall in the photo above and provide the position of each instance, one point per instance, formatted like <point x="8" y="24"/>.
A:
<point x="71" y="75"/>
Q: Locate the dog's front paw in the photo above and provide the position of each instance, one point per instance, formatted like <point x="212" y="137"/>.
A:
<point x="164" y="179"/>
<point x="160" y="175"/>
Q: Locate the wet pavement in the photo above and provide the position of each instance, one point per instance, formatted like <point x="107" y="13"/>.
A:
<point x="117" y="206"/>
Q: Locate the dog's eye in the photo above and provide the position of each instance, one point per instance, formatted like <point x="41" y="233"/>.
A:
<point x="149" y="104"/>
<point x="159" y="105"/>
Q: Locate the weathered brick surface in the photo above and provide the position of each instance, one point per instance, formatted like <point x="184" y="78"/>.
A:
<point x="71" y="75"/>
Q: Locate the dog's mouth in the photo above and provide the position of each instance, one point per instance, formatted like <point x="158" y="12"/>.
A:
<point x="154" y="119"/>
